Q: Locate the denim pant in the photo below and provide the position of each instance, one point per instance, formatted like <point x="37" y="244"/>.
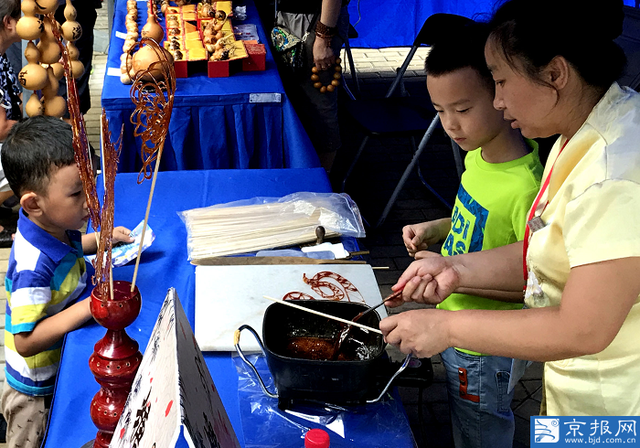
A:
<point x="480" y="405"/>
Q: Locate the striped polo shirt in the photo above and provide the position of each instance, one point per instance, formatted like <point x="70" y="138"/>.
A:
<point x="44" y="276"/>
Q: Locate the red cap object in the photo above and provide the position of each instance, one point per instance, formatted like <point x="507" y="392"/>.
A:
<point x="316" y="438"/>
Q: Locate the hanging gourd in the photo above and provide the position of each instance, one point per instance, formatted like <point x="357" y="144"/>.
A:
<point x="48" y="46"/>
<point x="58" y="70"/>
<point x="70" y="12"/>
<point x="34" y="106"/>
<point x="46" y="6"/>
<point x="71" y="30"/>
<point x="32" y="76"/>
<point x="29" y="28"/>
<point x="55" y="107"/>
<point x="28" y="8"/>
<point x="54" y="104"/>
<point x="152" y="28"/>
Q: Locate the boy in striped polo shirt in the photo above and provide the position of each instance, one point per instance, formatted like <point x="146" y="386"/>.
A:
<point x="47" y="273"/>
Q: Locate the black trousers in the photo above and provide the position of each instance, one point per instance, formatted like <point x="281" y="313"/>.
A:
<point x="87" y="18"/>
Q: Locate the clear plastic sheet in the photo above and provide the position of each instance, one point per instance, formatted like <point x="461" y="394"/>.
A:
<point x="122" y="254"/>
<point x="381" y="424"/>
<point x="261" y="223"/>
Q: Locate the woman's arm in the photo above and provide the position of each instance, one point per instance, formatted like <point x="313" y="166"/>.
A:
<point x="433" y="279"/>
<point x="330" y="12"/>
<point x="323" y="55"/>
<point x="595" y="302"/>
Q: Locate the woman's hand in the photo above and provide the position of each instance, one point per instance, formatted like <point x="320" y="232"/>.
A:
<point x="423" y="333"/>
<point x="323" y="55"/>
<point x="429" y="280"/>
<point x="122" y="234"/>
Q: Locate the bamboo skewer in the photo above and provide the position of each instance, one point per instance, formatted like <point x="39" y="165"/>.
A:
<point x="146" y="217"/>
<point x="328" y="316"/>
<point x="151" y="120"/>
<point x="234" y="230"/>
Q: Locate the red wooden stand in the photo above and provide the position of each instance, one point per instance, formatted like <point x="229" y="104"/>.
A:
<point x="115" y="358"/>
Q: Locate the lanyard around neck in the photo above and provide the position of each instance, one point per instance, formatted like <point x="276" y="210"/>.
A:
<point x="533" y="214"/>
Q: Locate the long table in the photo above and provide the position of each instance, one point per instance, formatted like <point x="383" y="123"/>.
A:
<point x="165" y="265"/>
<point x="243" y="121"/>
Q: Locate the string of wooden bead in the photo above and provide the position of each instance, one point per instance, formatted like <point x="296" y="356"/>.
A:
<point x="315" y="78"/>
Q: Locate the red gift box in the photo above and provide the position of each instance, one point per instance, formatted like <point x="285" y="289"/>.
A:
<point x="257" y="58"/>
<point x="218" y="69"/>
<point x="181" y="68"/>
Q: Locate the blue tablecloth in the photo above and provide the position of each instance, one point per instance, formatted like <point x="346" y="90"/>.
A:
<point x="165" y="265"/>
<point x="216" y="122"/>
<point x="396" y="24"/>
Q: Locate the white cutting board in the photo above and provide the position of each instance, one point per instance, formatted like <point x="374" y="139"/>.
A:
<point x="229" y="296"/>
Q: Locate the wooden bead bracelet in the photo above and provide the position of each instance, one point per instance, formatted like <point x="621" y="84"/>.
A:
<point x="333" y="84"/>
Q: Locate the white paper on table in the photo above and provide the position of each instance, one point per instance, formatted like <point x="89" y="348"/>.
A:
<point x="230" y="296"/>
<point x="114" y="71"/>
<point x="121" y="255"/>
<point x="337" y="249"/>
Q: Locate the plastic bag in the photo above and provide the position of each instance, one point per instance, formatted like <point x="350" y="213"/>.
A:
<point x="381" y="424"/>
<point x="246" y="31"/>
<point x="240" y="13"/>
<point x="259" y="223"/>
<point x="122" y="254"/>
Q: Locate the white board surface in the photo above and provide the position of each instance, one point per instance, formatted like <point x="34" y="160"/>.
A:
<point x="230" y="296"/>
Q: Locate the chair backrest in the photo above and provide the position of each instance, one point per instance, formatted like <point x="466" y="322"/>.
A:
<point x="437" y="24"/>
<point x="629" y="40"/>
<point x="401" y="71"/>
<point x="433" y="26"/>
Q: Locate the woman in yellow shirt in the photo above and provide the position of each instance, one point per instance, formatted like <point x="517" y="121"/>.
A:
<point x="555" y="65"/>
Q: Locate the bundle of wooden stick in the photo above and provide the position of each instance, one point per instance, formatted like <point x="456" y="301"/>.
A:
<point x="215" y="232"/>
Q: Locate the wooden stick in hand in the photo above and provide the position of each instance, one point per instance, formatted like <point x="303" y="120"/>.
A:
<point x="318" y="313"/>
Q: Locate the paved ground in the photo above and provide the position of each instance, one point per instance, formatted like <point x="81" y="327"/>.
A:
<point x="371" y="185"/>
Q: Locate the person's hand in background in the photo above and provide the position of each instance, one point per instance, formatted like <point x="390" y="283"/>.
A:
<point x="418" y="237"/>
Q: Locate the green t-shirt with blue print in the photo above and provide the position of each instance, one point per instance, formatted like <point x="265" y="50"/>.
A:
<point x="490" y="211"/>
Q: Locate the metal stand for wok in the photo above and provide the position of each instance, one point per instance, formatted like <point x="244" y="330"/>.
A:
<point x="275" y="394"/>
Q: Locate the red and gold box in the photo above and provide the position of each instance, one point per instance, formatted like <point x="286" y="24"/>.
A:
<point x="196" y="51"/>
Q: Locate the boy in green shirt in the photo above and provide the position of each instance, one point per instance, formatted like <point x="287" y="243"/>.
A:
<point x="501" y="180"/>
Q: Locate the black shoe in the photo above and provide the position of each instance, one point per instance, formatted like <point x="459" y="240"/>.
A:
<point x="11" y="202"/>
<point x="6" y="238"/>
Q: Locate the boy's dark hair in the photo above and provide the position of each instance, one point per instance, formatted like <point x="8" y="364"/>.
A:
<point x="458" y="43"/>
<point x="32" y="149"/>
<point x="9" y="8"/>
<point x="529" y="34"/>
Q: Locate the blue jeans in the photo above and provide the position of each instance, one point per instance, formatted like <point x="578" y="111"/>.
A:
<point x="480" y="405"/>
